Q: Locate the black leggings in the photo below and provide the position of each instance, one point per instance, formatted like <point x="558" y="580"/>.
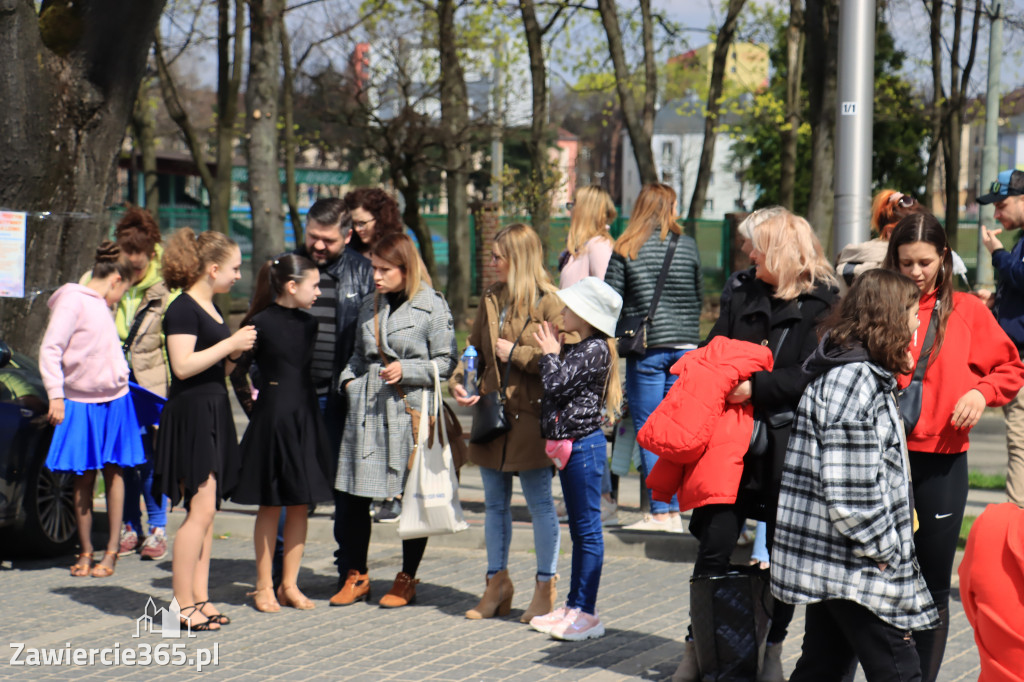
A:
<point x="352" y="526"/>
<point x="717" y="527"/>
<point x="940" y="496"/>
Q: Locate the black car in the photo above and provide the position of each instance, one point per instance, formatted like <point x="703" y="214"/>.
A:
<point x="36" y="505"/>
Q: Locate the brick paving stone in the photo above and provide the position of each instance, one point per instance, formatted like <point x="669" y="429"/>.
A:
<point x="643" y="603"/>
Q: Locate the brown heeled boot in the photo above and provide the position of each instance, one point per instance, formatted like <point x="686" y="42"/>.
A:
<point x="403" y="592"/>
<point x="356" y="588"/>
<point x="497" y="599"/>
<point x="544" y="595"/>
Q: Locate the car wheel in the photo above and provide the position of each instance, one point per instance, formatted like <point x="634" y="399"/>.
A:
<point x="49" y="509"/>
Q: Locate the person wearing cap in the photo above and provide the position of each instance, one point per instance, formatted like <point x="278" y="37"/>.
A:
<point x="1007" y="193"/>
<point x="577" y="385"/>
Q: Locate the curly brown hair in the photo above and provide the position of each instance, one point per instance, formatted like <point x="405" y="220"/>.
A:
<point x="137" y="232"/>
<point x="874" y="312"/>
<point x="381" y="206"/>
<point x="187" y="255"/>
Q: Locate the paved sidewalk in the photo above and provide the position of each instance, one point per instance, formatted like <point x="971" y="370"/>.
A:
<point x="643" y="602"/>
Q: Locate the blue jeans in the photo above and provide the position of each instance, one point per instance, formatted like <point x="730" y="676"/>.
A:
<point x="647" y="384"/>
<point x="138" y="480"/>
<point x="581" y="489"/>
<point x="536" y="485"/>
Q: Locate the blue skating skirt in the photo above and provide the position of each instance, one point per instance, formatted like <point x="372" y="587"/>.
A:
<point x="95" y="434"/>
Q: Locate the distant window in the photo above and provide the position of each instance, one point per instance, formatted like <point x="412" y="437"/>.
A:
<point x="709" y="204"/>
<point x="711" y="178"/>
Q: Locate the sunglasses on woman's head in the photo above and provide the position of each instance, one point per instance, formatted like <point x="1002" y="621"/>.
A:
<point x="902" y="200"/>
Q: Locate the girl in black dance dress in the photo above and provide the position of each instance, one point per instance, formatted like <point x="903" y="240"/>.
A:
<point x="285" y="451"/>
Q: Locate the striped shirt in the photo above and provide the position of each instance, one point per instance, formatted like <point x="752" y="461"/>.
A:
<point x="325" y="310"/>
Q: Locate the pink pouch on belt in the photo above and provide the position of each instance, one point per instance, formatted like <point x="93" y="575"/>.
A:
<point x="559" y="451"/>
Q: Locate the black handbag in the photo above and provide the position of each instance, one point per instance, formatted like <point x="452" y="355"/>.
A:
<point x="490" y="418"/>
<point x="731" y="615"/>
<point x="910" y="397"/>
<point x="632" y="331"/>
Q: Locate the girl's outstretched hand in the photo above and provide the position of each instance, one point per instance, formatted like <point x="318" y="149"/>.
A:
<point x="547" y="338"/>
<point x="459" y="393"/>
<point x="968" y="409"/>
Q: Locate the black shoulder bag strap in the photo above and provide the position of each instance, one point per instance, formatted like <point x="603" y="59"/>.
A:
<point x="503" y="382"/>
<point x="926" y="347"/>
<point x="136" y="323"/>
<point x="663" y="275"/>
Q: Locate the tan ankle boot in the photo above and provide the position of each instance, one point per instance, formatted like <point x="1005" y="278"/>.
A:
<point x="544" y="595"/>
<point x="497" y="599"/>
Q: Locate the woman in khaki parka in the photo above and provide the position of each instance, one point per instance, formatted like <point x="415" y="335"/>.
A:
<point x="510" y="312"/>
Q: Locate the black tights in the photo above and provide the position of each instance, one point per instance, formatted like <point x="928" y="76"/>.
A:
<point x="352" y="526"/>
<point x="940" y="496"/>
<point x="717" y="527"/>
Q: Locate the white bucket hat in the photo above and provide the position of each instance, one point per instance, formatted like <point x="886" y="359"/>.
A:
<point x="594" y="301"/>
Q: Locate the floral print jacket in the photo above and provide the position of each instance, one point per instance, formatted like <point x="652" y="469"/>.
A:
<point x="574" y="389"/>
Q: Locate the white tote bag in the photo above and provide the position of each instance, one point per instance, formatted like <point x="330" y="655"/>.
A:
<point x="430" y="503"/>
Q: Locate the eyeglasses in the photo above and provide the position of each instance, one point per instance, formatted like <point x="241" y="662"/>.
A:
<point x="903" y="200"/>
<point x="496" y="257"/>
<point x="569" y="205"/>
<point x="360" y="224"/>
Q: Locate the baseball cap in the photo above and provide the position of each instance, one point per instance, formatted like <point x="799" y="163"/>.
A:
<point x="1009" y="184"/>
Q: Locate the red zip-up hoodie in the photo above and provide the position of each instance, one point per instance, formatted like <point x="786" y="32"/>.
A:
<point x="976" y="353"/>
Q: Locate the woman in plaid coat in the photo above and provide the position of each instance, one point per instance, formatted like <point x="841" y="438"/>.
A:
<point x="844" y="540"/>
<point x="403" y="327"/>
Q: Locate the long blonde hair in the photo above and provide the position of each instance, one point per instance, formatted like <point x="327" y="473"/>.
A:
<point x="793" y="253"/>
<point x="592" y="212"/>
<point x="655" y="207"/>
<point x="612" y="383"/>
<point x="528" y="280"/>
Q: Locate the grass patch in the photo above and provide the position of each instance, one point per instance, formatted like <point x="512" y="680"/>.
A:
<point x="976" y="479"/>
<point x="965" y="529"/>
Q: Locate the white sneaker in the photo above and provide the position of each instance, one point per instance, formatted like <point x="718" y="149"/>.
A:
<point x="548" y="620"/>
<point x="673" y="524"/>
<point x="578" y="626"/>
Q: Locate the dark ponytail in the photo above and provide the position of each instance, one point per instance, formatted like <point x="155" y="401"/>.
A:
<point x="271" y="279"/>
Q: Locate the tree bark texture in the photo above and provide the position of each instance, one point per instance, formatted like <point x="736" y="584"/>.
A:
<point x="822" y="27"/>
<point x="794" y="79"/>
<point x="144" y="135"/>
<point x="290" y="146"/>
<point x="636" y="120"/>
<point x="707" y="152"/>
<point x="69" y="82"/>
<point x="261" y="96"/>
<point x="455" y="124"/>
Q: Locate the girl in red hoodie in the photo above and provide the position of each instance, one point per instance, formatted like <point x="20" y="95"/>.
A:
<point x="972" y="364"/>
<point x="86" y="379"/>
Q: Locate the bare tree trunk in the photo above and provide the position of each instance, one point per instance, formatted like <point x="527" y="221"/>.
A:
<point x="290" y="146"/>
<point x="455" y="123"/>
<point x="794" y="78"/>
<point x="408" y="184"/>
<point x="538" y="200"/>
<point x="707" y="152"/>
<point x="68" y="87"/>
<point x="261" y="95"/>
<point x="938" y="100"/>
<point x="640" y="124"/>
<point x="822" y="27"/>
<point x="144" y="137"/>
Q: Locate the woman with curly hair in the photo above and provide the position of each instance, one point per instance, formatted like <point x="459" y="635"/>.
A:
<point x="374" y="214"/>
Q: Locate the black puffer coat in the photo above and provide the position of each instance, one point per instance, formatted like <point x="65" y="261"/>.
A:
<point x="753" y="314"/>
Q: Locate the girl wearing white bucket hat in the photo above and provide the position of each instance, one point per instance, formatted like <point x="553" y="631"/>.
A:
<point x="576" y="387"/>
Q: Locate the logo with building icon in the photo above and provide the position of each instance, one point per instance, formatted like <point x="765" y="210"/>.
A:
<point x="166" y="622"/>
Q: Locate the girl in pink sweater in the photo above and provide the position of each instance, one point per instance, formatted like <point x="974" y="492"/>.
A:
<point x="86" y="379"/>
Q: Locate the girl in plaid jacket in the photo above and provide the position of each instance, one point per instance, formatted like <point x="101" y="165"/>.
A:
<point x="844" y="540"/>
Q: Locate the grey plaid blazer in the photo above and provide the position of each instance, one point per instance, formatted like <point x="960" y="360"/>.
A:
<point x="378" y="434"/>
<point x="844" y="506"/>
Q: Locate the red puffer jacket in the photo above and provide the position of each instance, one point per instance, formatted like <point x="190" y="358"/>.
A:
<point x="699" y="438"/>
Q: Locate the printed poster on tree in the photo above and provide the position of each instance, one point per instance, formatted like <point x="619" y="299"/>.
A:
<point x="12" y="254"/>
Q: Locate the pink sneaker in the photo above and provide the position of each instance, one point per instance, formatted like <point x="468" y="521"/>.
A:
<point x="559" y="451"/>
<point x="549" y="620"/>
<point x="578" y="626"/>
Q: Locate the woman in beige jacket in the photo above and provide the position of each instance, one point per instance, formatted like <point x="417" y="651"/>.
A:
<point x="510" y="312"/>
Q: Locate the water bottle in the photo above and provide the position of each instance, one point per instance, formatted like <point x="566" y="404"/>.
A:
<point x="469" y="381"/>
